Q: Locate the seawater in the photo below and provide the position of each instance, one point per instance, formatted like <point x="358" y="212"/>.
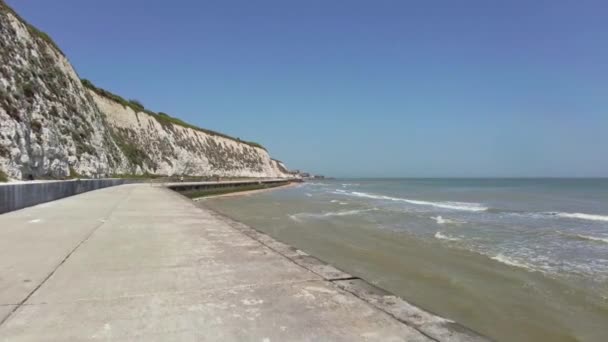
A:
<point x="515" y="259"/>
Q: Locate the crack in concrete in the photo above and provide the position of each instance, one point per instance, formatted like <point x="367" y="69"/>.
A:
<point x="345" y="278"/>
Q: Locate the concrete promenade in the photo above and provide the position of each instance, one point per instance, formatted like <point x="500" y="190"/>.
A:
<point x="140" y="262"/>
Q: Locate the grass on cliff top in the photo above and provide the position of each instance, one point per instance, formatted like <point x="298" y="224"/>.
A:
<point x="161" y="117"/>
<point x="33" y="30"/>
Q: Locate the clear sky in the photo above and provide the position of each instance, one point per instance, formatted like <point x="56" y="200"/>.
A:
<point x="362" y="88"/>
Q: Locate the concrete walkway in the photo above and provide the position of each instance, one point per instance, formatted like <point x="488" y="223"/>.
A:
<point x="142" y="263"/>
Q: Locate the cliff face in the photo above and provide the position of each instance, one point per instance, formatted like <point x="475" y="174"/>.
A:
<point x="152" y="143"/>
<point x="54" y="125"/>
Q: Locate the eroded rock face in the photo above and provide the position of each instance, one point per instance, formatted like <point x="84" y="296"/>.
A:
<point x="159" y="147"/>
<point x="52" y="126"/>
<point x="48" y="121"/>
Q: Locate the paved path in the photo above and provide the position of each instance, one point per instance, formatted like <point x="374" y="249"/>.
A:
<point x="142" y="263"/>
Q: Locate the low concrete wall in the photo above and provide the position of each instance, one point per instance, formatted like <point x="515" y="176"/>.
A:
<point x="197" y="186"/>
<point x="22" y="195"/>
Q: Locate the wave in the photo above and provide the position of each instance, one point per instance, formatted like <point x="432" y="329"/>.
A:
<point x="444" y="205"/>
<point x="580" y="216"/>
<point x="440" y="220"/>
<point x="586" y="237"/>
<point x="440" y="236"/>
<point x="511" y="262"/>
<point x="299" y="216"/>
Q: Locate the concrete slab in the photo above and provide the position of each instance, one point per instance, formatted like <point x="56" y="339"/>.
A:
<point x="5" y="310"/>
<point x="34" y="241"/>
<point x="142" y="263"/>
<point x="300" y="311"/>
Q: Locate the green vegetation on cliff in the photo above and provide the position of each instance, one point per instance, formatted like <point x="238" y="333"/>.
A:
<point x="33" y="30"/>
<point x="3" y="177"/>
<point x="137" y="106"/>
<point x="162" y="118"/>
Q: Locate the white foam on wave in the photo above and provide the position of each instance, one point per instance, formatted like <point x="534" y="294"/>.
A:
<point x="592" y="238"/>
<point x="511" y="262"/>
<point x="299" y="216"/>
<point x="440" y="220"/>
<point x="444" y="205"/>
<point x="440" y="236"/>
<point x="581" y="216"/>
<point x="314" y="184"/>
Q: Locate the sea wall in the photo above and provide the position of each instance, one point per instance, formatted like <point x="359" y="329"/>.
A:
<point x="21" y="195"/>
<point x="186" y="188"/>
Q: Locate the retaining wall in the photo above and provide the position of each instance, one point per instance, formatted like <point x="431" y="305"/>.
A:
<point x="197" y="186"/>
<point x="22" y="195"/>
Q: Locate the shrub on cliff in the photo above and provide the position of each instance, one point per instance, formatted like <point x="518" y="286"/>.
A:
<point x="138" y="105"/>
<point x="3" y="177"/>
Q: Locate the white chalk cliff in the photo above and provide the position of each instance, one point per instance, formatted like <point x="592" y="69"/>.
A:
<point x="53" y="124"/>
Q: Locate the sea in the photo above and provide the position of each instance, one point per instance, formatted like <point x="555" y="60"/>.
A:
<point x="514" y="259"/>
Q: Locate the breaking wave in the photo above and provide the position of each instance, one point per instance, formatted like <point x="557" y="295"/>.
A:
<point x="444" y="205"/>
<point x="587" y="237"/>
<point x="580" y="216"/>
<point x="440" y="220"/>
<point x="440" y="236"/>
<point x="511" y="262"/>
<point x="298" y="217"/>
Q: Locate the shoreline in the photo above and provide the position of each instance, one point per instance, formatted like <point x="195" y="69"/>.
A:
<point x="247" y="192"/>
<point x="472" y="282"/>
<point x="426" y="322"/>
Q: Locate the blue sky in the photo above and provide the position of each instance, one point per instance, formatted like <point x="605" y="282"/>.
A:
<point x="362" y="88"/>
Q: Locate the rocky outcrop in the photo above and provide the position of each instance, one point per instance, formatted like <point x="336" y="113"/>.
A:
<point x="55" y="125"/>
